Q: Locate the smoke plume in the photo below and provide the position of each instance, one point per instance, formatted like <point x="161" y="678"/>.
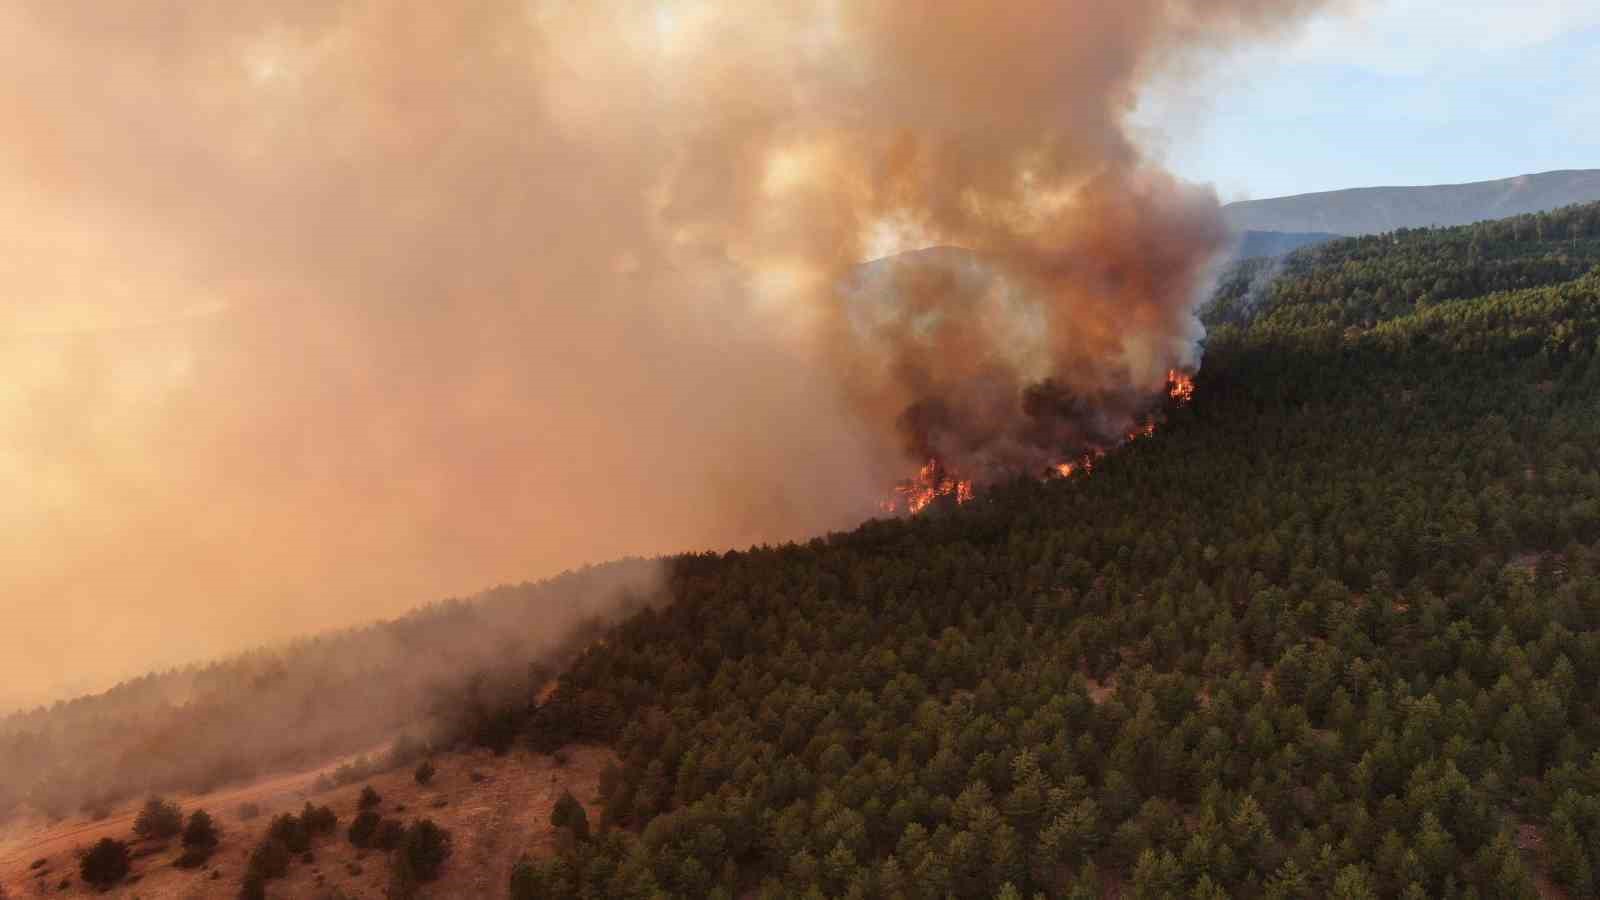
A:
<point x="317" y="309"/>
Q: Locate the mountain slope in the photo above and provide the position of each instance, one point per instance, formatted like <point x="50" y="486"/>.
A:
<point x="434" y="672"/>
<point x="1377" y="209"/>
<point x="1334" y="630"/>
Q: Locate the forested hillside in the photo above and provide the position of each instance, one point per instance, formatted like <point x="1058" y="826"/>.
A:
<point x="1333" y="630"/>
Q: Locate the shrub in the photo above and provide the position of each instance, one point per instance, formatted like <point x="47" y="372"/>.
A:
<point x="199" y="840"/>
<point x="425" y="771"/>
<point x="369" y="798"/>
<point x="570" y="814"/>
<point x="201" y="831"/>
<point x="193" y="857"/>
<point x="535" y="880"/>
<point x="105" y="864"/>
<point x="158" y="819"/>
<point x="389" y="834"/>
<point x="424" y="849"/>
<point x="270" y="859"/>
<point x="364" y="828"/>
<point x="248" y="811"/>
<point x="405" y="749"/>
<point x="253" y="888"/>
<point x="319" y="819"/>
<point x="288" y="830"/>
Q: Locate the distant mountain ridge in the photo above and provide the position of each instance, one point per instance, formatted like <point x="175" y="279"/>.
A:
<point x="1373" y="210"/>
<point x="1278" y="243"/>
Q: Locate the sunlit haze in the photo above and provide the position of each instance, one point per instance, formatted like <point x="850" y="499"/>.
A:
<point x="318" y="311"/>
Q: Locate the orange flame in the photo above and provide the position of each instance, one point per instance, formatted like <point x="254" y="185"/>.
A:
<point x="934" y="481"/>
<point x="1180" y="387"/>
<point x="931" y="483"/>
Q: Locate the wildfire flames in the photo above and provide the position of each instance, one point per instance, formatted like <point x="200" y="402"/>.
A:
<point x="1180" y="387"/>
<point x="934" y="480"/>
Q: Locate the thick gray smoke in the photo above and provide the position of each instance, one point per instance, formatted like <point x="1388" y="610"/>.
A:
<point x="316" y="309"/>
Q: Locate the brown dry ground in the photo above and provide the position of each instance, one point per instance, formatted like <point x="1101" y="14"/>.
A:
<point x="496" y="808"/>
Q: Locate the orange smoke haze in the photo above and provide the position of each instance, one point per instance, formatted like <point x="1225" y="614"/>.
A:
<point x="315" y="310"/>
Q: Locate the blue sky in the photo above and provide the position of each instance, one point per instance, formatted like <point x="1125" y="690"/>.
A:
<point x="1409" y="93"/>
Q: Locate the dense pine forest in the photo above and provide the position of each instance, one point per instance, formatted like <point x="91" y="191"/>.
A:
<point x="1332" y="631"/>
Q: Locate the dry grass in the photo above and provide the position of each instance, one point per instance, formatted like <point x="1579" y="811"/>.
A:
<point x="495" y="817"/>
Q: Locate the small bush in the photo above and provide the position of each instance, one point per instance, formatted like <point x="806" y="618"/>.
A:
<point x="364" y="828"/>
<point x="348" y="773"/>
<point x="288" y="830"/>
<point x="404" y="750"/>
<point x="248" y="811"/>
<point x="389" y="834"/>
<point x="270" y="859"/>
<point x="38" y="863"/>
<point x="369" y="798"/>
<point x="319" y="820"/>
<point x="105" y="864"/>
<point x="570" y="814"/>
<point x="424" y="849"/>
<point x="193" y="857"/>
<point x="253" y="888"/>
<point x="425" y="772"/>
<point x="610" y="780"/>
<point x="158" y="819"/>
<point x="201" y="832"/>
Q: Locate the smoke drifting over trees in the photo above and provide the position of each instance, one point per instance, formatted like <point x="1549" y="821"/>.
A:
<point x="318" y="309"/>
<point x="440" y="674"/>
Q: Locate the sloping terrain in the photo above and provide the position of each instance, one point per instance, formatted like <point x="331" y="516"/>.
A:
<point x="1373" y="210"/>
<point x="497" y="809"/>
<point x="431" y="673"/>
<point x="1332" y="630"/>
